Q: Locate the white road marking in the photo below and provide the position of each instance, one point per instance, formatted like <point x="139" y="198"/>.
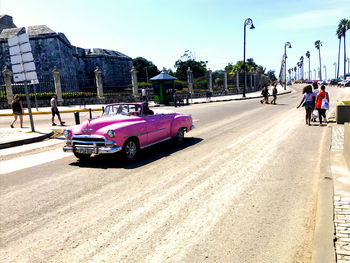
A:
<point x="240" y="140"/>
<point x="24" y="162"/>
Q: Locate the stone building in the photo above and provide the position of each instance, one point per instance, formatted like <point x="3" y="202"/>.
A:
<point x="76" y="65"/>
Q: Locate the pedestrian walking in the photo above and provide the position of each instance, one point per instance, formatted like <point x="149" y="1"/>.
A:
<point x="314" y="113"/>
<point x="265" y="94"/>
<point x="144" y="95"/>
<point x="309" y="104"/>
<point x="54" y="110"/>
<point x="17" y="109"/>
<point x="274" y="94"/>
<point x="175" y="98"/>
<point x="322" y="104"/>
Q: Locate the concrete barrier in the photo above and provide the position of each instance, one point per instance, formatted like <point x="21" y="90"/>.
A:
<point x="347" y="143"/>
<point x="343" y="113"/>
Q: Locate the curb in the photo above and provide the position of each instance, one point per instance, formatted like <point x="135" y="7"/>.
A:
<point x="323" y="244"/>
<point x="26" y="141"/>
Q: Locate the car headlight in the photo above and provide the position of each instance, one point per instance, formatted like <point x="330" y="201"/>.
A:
<point x="111" y="133"/>
<point x="66" y="133"/>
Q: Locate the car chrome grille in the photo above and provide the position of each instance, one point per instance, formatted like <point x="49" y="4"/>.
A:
<point x="88" y="140"/>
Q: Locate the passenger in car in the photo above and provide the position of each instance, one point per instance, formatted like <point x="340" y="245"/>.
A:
<point x="146" y="109"/>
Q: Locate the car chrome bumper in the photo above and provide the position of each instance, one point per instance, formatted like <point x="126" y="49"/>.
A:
<point x="92" y="149"/>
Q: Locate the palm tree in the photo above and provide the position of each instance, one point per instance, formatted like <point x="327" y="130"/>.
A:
<point x="308" y="56"/>
<point x="289" y="71"/>
<point x="339" y="34"/>
<point x="318" y="45"/>
<point x="298" y="65"/>
<point x="302" y="66"/>
<point x="344" y="25"/>
<point x="295" y="73"/>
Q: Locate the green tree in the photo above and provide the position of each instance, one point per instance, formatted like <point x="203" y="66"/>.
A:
<point x="308" y="56"/>
<point x="318" y="45"/>
<point x="187" y="60"/>
<point x="145" y="68"/>
<point x="271" y="75"/>
<point x="344" y="25"/>
<point x="251" y="66"/>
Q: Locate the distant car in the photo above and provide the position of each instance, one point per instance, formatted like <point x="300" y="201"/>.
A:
<point x="333" y="82"/>
<point x="125" y="127"/>
<point x="344" y="83"/>
<point x="289" y="83"/>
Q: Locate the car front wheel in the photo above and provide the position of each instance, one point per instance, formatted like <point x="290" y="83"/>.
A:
<point x="180" y="136"/>
<point x="130" y="149"/>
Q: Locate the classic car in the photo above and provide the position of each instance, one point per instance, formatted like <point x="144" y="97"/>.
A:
<point x="126" y="127"/>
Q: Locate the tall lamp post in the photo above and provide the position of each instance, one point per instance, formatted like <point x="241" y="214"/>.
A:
<point x="335" y="70"/>
<point x="247" y="22"/>
<point x="325" y="72"/>
<point x="287" y="44"/>
<point x="348" y="60"/>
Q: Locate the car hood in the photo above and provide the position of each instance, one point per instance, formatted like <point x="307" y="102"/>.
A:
<point x="102" y="124"/>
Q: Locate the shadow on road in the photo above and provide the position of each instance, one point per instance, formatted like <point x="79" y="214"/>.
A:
<point x="147" y="155"/>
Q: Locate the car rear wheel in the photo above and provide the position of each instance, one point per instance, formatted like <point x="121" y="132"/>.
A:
<point x="131" y="149"/>
<point x="180" y="136"/>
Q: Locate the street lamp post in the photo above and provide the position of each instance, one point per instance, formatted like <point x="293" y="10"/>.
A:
<point x="348" y="60"/>
<point x="319" y="73"/>
<point x="287" y="44"/>
<point x="325" y="71"/>
<point x="247" y="22"/>
<point x="335" y="70"/>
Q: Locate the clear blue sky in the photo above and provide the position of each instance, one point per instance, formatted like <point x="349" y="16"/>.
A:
<point x="161" y="31"/>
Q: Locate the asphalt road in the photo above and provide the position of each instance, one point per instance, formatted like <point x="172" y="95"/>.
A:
<point x="241" y="188"/>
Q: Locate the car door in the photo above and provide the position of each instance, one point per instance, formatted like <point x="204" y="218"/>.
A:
<point x="158" y="127"/>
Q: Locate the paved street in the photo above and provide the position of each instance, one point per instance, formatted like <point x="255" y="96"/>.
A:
<point x="242" y="188"/>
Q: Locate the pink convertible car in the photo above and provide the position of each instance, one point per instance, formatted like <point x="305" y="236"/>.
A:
<point x="126" y="127"/>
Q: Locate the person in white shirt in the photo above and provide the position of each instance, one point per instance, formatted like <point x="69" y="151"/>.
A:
<point x="54" y="110"/>
<point x="144" y="94"/>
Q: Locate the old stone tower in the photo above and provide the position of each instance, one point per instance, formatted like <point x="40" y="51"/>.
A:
<point x="51" y="49"/>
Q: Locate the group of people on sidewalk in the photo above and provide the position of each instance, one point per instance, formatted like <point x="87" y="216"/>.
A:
<point x="17" y="110"/>
<point x="316" y="103"/>
<point x="265" y="94"/>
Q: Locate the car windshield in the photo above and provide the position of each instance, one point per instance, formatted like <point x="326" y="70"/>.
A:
<point x="122" y="109"/>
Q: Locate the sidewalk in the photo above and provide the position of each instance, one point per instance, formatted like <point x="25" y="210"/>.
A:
<point x="15" y="137"/>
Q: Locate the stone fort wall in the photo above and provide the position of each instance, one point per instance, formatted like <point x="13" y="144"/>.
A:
<point x="76" y="65"/>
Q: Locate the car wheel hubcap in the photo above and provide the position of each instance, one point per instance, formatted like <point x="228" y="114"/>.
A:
<point x="131" y="149"/>
<point x="180" y="135"/>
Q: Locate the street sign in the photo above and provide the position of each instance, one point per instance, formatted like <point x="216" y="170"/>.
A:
<point x="16" y="59"/>
<point x="19" y="77"/>
<point x="27" y="57"/>
<point x="13" y="41"/>
<point x="23" y="38"/>
<point x="15" y="50"/>
<point x="30" y="66"/>
<point x="25" y="48"/>
<point x="23" y="66"/>
<point x="31" y="75"/>
<point x="18" y="68"/>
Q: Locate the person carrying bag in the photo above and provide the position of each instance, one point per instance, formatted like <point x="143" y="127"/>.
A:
<point x="322" y="103"/>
